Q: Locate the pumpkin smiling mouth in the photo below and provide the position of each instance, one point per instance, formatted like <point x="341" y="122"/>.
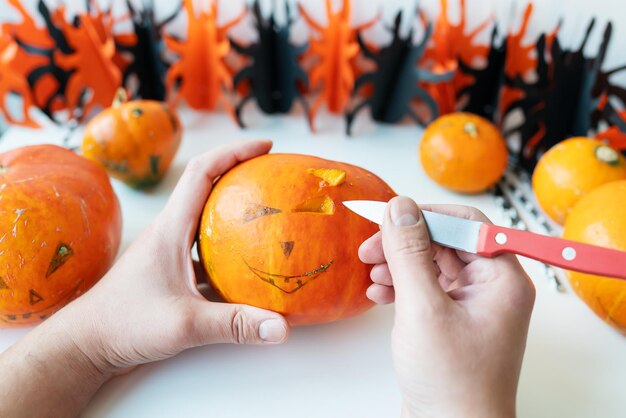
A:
<point x="289" y="283"/>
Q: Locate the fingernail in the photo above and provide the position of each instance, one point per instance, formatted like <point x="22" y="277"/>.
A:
<point x="272" y="331"/>
<point x="403" y="212"/>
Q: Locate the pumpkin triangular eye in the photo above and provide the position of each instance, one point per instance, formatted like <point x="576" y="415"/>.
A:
<point x="319" y="204"/>
<point x="257" y="211"/>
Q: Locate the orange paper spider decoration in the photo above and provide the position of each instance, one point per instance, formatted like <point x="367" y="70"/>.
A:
<point x="21" y="62"/>
<point x="519" y="57"/>
<point x="613" y="135"/>
<point x="336" y="49"/>
<point x="450" y="44"/>
<point x="91" y="62"/>
<point x="12" y="81"/>
<point x="201" y="70"/>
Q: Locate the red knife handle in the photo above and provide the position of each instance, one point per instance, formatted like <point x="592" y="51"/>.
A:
<point x="570" y="255"/>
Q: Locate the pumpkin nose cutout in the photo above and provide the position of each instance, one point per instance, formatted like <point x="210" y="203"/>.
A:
<point x="287" y="247"/>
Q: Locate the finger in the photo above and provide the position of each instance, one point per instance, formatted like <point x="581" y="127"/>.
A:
<point x="446" y="282"/>
<point x="185" y="205"/>
<point x="239" y="324"/>
<point x="380" y="274"/>
<point x="406" y="244"/>
<point x="448" y="261"/>
<point x="371" y="251"/>
<point x="381" y="295"/>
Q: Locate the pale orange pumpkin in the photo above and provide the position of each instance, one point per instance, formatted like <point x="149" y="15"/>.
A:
<point x="275" y="234"/>
<point x="136" y="141"/>
<point x="60" y="229"/>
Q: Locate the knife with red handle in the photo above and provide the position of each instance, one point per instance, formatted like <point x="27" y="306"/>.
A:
<point x="489" y="240"/>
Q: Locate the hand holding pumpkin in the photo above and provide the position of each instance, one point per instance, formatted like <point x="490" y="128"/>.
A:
<point x="461" y="320"/>
<point x="146" y="308"/>
<point x="148" y="305"/>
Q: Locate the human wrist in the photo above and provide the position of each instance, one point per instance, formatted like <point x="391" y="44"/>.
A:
<point x="84" y="341"/>
<point x="454" y="408"/>
<point x="47" y="374"/>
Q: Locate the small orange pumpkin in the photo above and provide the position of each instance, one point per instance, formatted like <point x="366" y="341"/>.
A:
<point x="463" y="152"/>
<point x="60" y="229"/>
<point x="598" y="219"/>
<point x="275" y="234"/>
<point x="135" y="141"/>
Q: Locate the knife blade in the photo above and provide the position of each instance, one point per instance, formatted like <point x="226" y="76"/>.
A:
<point x="489" y="240"/>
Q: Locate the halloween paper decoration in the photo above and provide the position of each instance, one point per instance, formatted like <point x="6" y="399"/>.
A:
<point x="520" y="59"/>
<point x="616" y="135"/>
<point x="90" y="37"/>
<point x="200" y="72"/>
<point x="450" y="47"/>
<point x="482" y="95"/>
<point x="67" y="65"/>
<point x="336" y="48"/>
<point x="565" y="98"/>
<point x="145" y="46"/>
<point x="12" y="82"/>
<point x="274" y="74"/>
<point x="395" y="79"/>
<point x="35" y="58"/>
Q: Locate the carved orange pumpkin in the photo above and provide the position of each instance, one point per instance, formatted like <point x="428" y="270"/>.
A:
<point x="60" y="229"/>
<point x="135" y="141"/>
<point x="275" y="234"/>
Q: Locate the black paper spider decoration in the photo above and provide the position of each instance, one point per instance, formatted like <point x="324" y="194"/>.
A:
<point x="598" y="91"/>
<point x="565" y="99"/>
<point x="274" y="75"/>
<point x="146" y="48"/>
<point x="481" y="96"/>
<point x="395" y="81"/>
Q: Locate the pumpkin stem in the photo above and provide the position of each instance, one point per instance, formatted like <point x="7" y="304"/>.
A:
<point x="3" y="169"/>
<point x="471" y="129"/>
<point x="604" y="153"/>
<point x="120" y="97"/>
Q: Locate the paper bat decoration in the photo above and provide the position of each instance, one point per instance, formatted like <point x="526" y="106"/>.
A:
<point x="145" y="46"/>
<point x="274" y="72"/>
<point x="395" y="81"/>
<point x="200" y="72"/>
<point x="336" y="47"/>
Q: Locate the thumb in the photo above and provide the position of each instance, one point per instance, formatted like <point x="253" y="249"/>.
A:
<point x="407" y="248"/>
<point x="239" y="324"/>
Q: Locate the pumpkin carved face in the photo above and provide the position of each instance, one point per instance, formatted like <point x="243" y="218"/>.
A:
<point x="60" y="229"/>
<point x="135" y="141"/>
<point x="275" y="234"/>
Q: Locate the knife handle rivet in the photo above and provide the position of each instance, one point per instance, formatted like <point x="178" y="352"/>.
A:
<point x="501" y="238"/>
<point x="569" y="253"/>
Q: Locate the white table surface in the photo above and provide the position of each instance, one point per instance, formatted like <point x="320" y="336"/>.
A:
<point x="575" y="366"/>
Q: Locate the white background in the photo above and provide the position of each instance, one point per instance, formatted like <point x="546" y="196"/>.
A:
<point x="575" y="366"/>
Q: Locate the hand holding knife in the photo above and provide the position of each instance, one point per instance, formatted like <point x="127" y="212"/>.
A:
<point x="489" y="240"/>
